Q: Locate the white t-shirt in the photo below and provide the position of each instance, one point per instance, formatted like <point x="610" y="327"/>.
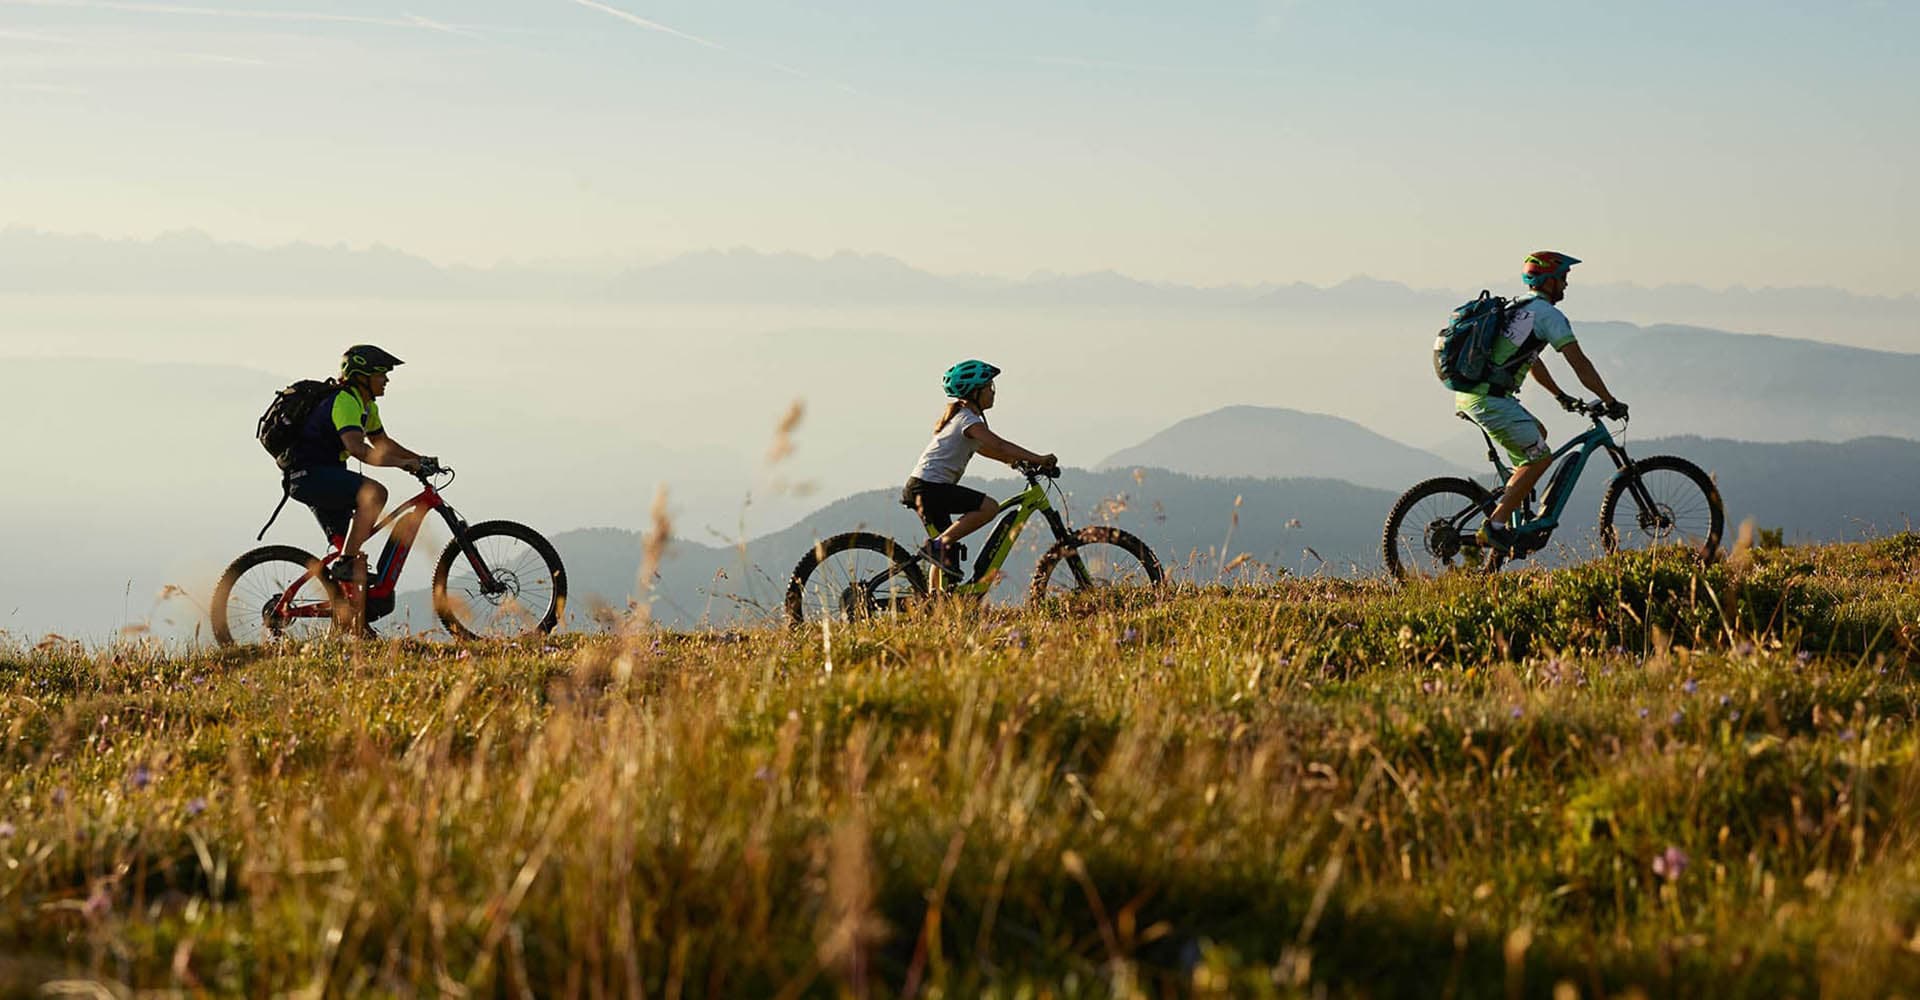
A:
<point x="945" y="459"/>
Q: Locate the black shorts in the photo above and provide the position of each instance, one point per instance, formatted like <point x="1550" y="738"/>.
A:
<point x="939" y="503"/>
<point x="332" y="491"/>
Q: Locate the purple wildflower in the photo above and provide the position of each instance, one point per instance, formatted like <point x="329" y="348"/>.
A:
<point x="1676" y="718"/>
<point x="1517" y="712"/>
<point x="1129" y="637"/>
<point x="59" y="796"/>
<point x="1670" y="864"/>
<point x="140" y="778"/>
<point x="1743" y="648"/>
<point x="196" y="806"/>
<point x="6" y="830"/>
<point x="1017" y="638"/>
<point x="98" y="905"/>
<point x="1846" y="735"/>
<point x="1643" y="713"/>
<point x="1691" y="686"/>
<point x="1803" y="655"/>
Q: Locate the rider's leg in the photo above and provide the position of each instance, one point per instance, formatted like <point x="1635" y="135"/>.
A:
<point x="1523" y="437"/>
<point x="971" y="522"/>
<point x="1519" y="488"/>
<point x="366" y="511"/>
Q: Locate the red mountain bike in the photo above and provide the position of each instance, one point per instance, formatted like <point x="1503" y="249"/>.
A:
<point x="496" y="579"/>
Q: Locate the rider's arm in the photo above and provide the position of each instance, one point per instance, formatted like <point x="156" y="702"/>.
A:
<point x="1583" y="370"/>
<point x="377" y="449"/>
<point x="389" y="452"/>
<point x="1002" y="450"/>
<point x="1541" y="375"/>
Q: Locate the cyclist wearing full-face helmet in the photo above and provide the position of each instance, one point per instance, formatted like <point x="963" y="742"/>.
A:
<point x="346" y="424"/>
<point x="1536" y="324"/>
<point x="934" y="490"/>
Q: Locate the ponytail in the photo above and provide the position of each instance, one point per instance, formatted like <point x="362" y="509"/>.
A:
<point x="954" y="406"/>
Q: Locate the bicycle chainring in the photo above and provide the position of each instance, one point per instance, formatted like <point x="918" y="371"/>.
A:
<point x="1443" y="540"/>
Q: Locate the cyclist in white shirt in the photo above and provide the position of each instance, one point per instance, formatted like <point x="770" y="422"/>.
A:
<point x="934" y="490"/>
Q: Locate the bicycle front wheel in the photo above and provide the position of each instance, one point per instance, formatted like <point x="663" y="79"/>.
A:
<point x="1431" y="529"/>
<point x="1095" y="559"/>
<point x="1662" y="502"/>
<point x="522" y="592"/>
<point x="271" y="594"/>
<point x="853" y="576"/>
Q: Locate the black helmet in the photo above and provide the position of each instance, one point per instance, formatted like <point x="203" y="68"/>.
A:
<point x="366" y="359"/>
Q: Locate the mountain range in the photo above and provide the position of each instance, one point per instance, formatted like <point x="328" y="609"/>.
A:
<point x="191" y="262"/>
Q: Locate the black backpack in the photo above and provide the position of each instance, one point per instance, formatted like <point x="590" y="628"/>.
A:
<point x="1463" y="352"/>
<point x="279" y="428"/>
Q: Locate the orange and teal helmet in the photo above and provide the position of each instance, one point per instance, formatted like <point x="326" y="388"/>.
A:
<point x="1543" y="265"/>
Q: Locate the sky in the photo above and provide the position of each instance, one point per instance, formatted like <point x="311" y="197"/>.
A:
<point x="1717" y="143"/>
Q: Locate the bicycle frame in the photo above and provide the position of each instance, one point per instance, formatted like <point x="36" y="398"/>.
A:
<point x="1572" y="458"/>
<point x="1006" y="532"/>
<point x="404" y="522"/>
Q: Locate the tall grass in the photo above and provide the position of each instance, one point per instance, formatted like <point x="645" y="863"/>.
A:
<point x="1628" y="775"/>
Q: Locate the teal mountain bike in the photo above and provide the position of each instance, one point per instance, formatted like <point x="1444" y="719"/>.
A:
<point x="1650" y="503"/>
<point x="863" y="575"/>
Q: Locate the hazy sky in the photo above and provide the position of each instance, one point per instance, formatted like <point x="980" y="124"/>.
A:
<point x="1757" y="143"/>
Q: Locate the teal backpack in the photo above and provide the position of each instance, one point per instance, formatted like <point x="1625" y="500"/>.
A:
<point x="1463" y="352"/>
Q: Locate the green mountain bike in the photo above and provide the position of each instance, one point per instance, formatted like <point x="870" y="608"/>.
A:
<point x="1650" y="503"/>
<point x="862" y="575"/>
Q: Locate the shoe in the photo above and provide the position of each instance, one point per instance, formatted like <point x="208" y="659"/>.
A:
<point x="341" y="570"/>
<point x="1497" y="537"/>
<point x="946" y="556"/>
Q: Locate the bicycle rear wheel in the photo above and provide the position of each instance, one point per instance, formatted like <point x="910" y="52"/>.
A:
<point x="1432" y="526"/>
<point x="1096" y="559"/>
<point x="273" y="593"/>
<point x="1676" y="505"/>
<point x="854" y="576"/>
<point x="529" y="591"/>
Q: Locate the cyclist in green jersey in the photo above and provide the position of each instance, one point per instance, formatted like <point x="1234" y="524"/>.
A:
<point x="347" y="425"/>
<point x="1535" y="324"/>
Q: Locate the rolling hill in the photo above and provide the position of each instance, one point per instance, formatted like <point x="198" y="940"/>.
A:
<point x="1268" y="442"/>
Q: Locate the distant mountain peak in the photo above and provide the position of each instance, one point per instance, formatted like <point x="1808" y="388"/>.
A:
<point x="1276" y="442"/>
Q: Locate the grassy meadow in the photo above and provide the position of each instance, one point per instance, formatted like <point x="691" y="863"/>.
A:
<point x="1632" y="777"/>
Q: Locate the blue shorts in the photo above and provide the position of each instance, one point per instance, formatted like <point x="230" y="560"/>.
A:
<point x="1508" y="424"/>
<point x="332" y="491"/>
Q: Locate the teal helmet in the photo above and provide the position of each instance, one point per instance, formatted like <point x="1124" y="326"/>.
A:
<point x="968" y="377"/>
<point x="366" y="359"/>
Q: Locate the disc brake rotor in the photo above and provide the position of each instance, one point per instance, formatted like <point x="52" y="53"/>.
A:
<point x="505" y="585"/>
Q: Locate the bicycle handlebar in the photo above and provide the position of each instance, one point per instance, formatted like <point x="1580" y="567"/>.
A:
<point x="1034" y="471"/>
<point x="1594" y="408"/>
<point x="430" y="467"/>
